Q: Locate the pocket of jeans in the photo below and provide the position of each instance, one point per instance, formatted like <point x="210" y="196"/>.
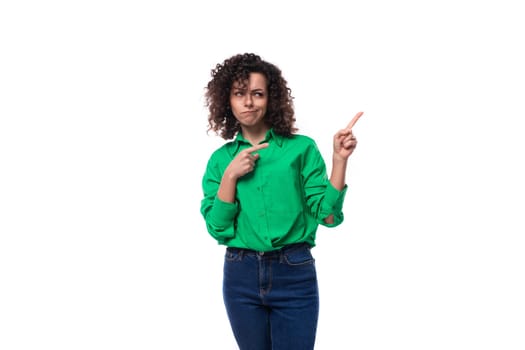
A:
<point x="298" y="257"/>
<point x="232" y="255"/>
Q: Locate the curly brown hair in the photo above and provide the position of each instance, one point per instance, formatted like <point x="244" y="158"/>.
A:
<point x="280" y="112"/>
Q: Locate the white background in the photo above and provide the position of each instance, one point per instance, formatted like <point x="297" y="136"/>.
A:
<point x="103" y="144"/>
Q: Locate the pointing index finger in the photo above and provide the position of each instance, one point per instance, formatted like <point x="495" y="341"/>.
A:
<point x="354" y="120"/>
<point x="257" y="147"/>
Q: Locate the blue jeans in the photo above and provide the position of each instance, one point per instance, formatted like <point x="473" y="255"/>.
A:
<point x="271" y="298"/>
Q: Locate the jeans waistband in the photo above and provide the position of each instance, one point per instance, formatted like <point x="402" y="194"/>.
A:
<point x="278" y="252"/>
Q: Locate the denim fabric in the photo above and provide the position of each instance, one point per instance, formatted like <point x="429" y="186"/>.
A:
<point x="272" y="298"/>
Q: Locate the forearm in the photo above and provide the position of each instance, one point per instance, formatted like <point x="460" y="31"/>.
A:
<point x="344" y="145"/>
<point x="227" y="188"/>
<point x="337" y="179"/>
<point x="338" y="175"/>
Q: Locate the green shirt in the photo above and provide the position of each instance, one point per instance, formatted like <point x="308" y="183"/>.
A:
<point x="282" y="201"/>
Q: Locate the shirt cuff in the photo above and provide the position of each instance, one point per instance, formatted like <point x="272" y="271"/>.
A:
<point x="334" y="198"/>
<point x="224" y="212"/>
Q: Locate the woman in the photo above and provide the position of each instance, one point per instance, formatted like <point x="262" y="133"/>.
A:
<point x="265" y="193"/>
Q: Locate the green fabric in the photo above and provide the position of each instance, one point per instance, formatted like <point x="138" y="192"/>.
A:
<point x="282" y="201"/>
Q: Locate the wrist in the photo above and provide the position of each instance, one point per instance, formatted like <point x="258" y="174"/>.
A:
<point x="336" y="159"/>
<point x="230" y="175"/>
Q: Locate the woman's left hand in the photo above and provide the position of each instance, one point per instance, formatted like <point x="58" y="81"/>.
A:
<point x="345" y="141"/>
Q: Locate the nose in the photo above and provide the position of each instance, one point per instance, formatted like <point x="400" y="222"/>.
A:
<point x="248" y="100"/>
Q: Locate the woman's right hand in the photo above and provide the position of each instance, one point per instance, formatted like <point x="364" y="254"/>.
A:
<point x="244" y="162"/>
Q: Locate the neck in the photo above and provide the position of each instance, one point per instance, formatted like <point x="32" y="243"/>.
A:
<point x="255" y="135"/>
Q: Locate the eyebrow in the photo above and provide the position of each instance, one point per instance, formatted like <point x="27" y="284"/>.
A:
<point x="245" y="89"/>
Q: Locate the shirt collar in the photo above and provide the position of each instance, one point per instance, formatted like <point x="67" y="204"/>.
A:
<point x="271" y="136"/>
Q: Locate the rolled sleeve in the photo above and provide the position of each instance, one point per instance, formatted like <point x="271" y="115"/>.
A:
<point x="333" y="205"/>
<point x="219" y="215"/>
<point x="223" y="213"/>
<point x="220" y="219"/>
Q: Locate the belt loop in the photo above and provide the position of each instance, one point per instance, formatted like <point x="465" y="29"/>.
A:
<point x="281" y="255"/>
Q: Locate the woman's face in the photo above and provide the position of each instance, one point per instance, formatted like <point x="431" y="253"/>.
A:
<point x="249" y="101"/>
